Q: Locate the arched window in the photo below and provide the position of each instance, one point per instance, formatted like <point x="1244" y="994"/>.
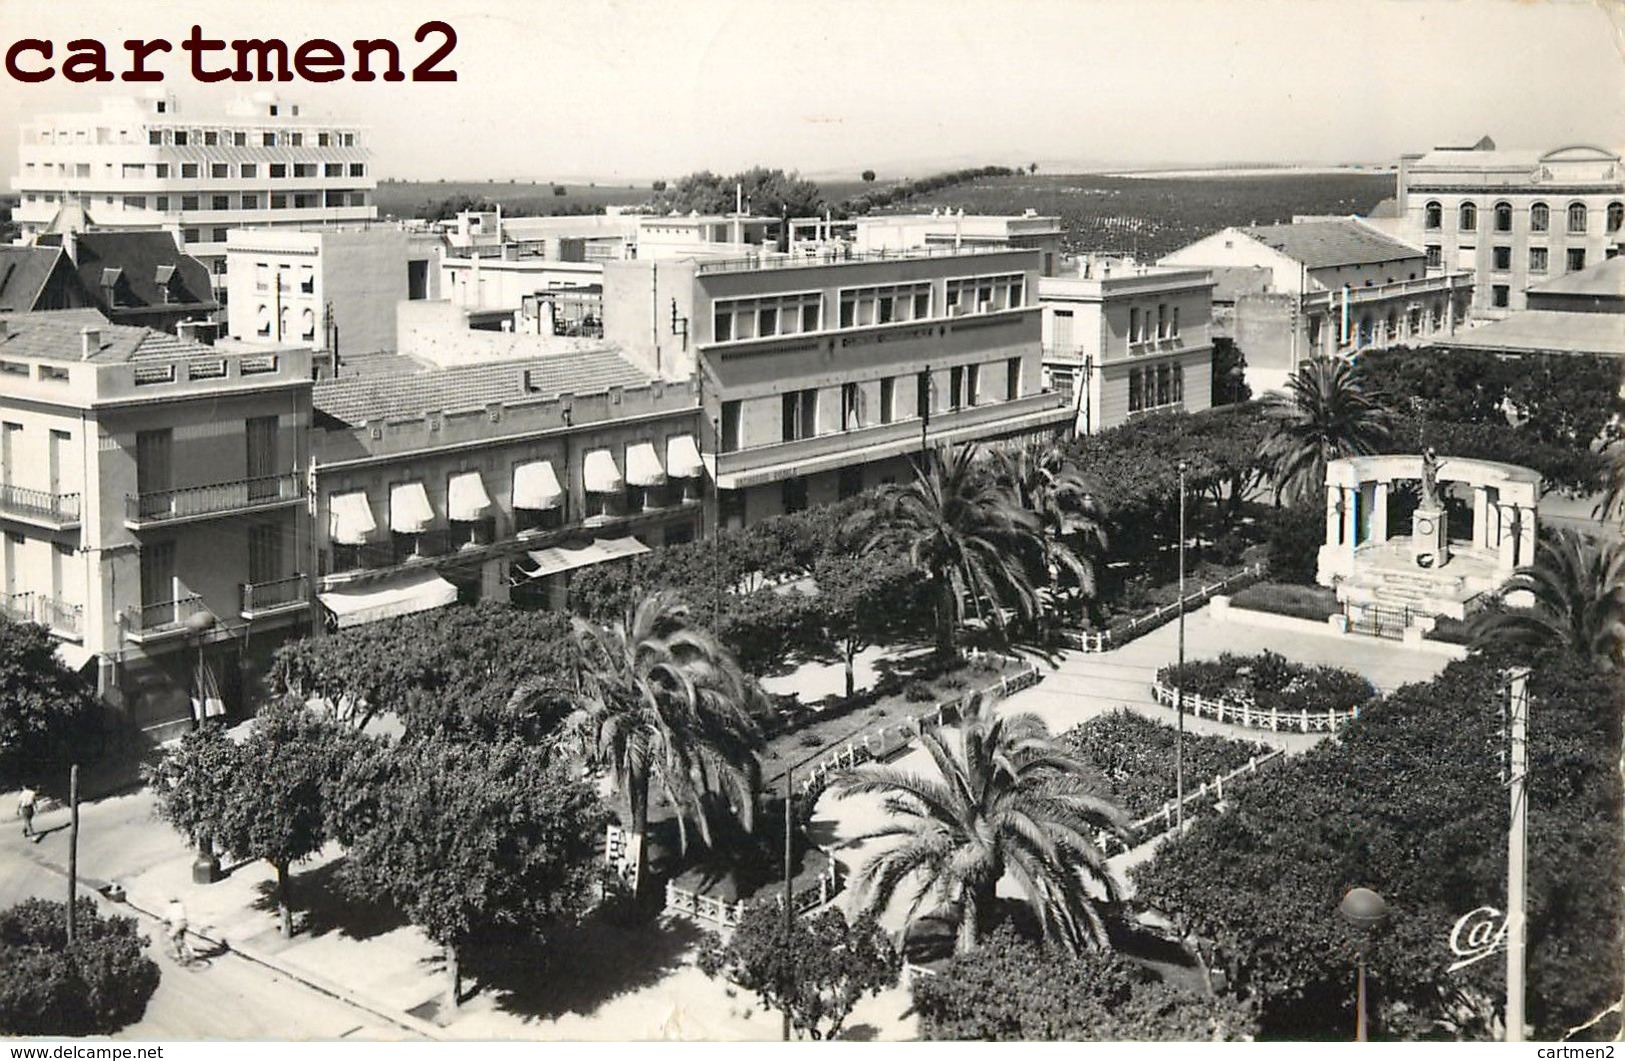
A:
<point x="1468" y="218"/>
<point x="1503" y="217"/>
<point x="1433" y="215"/>
<point x="1616" y="216"/>
<point x="1540" y="217"/>
<point x="1577" y="217"/>
<point x="262" y="320"/>
<point x="307" y="324"/>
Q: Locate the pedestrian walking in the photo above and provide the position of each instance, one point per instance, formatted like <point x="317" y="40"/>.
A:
<point x="25" y="811"/>
<point x="175" y="927"/>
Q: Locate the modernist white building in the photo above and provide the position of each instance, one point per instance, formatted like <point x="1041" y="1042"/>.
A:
<point x="1513" y="218"/>
<point x="145" y="163"/>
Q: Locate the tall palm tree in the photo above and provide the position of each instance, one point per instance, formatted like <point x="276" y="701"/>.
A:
<point x="1577" y="586"/>
<point x="662" y="705"/>
<point x="1044" y="480"/>
<point x="1327" y="413"/>
<point x="965" y="533"/>
<point x="1009" y="800"/>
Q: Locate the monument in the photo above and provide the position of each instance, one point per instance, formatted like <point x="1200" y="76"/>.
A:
<point x="1389" y="583"/>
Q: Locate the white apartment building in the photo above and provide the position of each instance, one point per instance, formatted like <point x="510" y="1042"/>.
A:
<point x="1513" y="218"/>
<point x="145" y="163"/>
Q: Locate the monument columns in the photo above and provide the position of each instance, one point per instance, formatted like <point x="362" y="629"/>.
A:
<point x="1350" y="526"/>
<point x="1334" y="496"/>
<point x="1379" y="512"/>
<point x="1481" y="517"/>
<point x="1507" y="554"/>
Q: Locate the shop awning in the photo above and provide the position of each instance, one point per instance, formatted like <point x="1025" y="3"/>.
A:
<point x="466" y="498"/>
<point x="73" y="656"/>
<point x="600" y="475"/>
<point x="409" y="510"/>
<point x="562" y="558"/>
<point x="683" y="458"/>
<point x="350" y="518"/>
<point x="643" y="466"/>
<point x="536" y="487"/>
<point x="404" y="595"/>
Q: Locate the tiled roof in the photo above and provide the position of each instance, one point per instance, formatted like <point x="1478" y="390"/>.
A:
<point x="353" y="400"/>
<point x="23" y="273"/>
<point x="1323" y="244"/>
<point x="56" y="337"/>
<point x="132" y="262"/>
<point x="1548" y="330"/>
<point x="1606" y="279"/>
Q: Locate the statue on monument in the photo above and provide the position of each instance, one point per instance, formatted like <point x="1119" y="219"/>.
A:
<point x="1430" y="478"/>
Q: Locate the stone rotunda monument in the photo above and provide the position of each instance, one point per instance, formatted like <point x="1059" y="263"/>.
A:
<point x="1411" y="538"/>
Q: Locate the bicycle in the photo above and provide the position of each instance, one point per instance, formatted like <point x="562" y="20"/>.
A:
<point x="186" y="956"/>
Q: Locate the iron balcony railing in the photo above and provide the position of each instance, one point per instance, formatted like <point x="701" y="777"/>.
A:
<point x="161" y="617"/>
<point x="18" y="607"/>
<point x="262" y="597"/>
<point x="39" y="505"/>
<point x="56" y="615"/>
<point x="801" y="259"/>
<point x="190" y="502"/>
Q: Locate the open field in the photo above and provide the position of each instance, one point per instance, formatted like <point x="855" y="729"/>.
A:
<point x="411" y="198"/>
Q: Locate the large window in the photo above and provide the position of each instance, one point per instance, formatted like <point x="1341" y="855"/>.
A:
<point x="800" y="415"/>
<point x="1134" y="324"/>
<point x="1435" y="254"/>
<point x="1155" y="387"/>
<point x="1537" y="259"/>
<point x="986" y="294"/>
<point x="1503" y="217"/>
<point x="1577" y="217"/>
<point x="1540" y="217"/>
<point x="1501" y="296"/>
<point x="730" y="426"/>
<point x="851" y="407"/>
<point x="1501" y="259"/>
<point x="1577" y="259"/>
<point x="862" y="306"/>
<point x="1467" y="218"/>
<point x="888" y="399"/>
<point x="1616" y="216"/>
<point x="735" y="319"/>
<point x="1433" y="216"/>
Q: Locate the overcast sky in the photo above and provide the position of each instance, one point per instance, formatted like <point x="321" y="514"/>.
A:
<point x="633" y="89"/>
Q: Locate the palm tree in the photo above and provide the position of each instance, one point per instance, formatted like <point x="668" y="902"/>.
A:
<point x="1326" y="413"/>
<point x="965" y="533"/>
<point x="1577" y="586"/>
<point x="1009" y="800"/>
<point x="1045" y="481"/>
<point x="1612" y="479"/>
<point x="661" y="704"/>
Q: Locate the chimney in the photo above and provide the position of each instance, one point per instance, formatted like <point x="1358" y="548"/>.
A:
<point x="90" y="342"/>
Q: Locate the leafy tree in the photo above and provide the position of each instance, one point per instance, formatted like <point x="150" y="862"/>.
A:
<point x="1577" y="587"/>
<point x="47" y="717"/>
<point x="1010" y="799"/>
<point x="769" y="193"/>
<point x="662" y="704"/>
<point x="1569" y="467"/>
<point x="95" y="985"/>
<point x="862" y="599"/>
<point x="868" y="176"/>
<point x="1258" y="886"/>
<point x="965" y="534"/>
<point x="469" y="838"/>
<point x="816" y="972"/>
<point x="658" y="186"/>
<point x="1327" y="413"/>
<point x="1229" y="373"/>
<point x="193" y="784"/>
<point x="1014" y="990"/>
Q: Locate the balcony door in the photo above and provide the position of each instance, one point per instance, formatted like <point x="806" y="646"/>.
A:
<point x="157" y="584"/>
<point x="58" y="450"/>
<point x="264" y="553"/>
<point x="154" y="471"/>
<point x="262" y="466"/>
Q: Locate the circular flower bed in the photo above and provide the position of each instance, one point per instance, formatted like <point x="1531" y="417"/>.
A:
<point x="1269" y="682"/>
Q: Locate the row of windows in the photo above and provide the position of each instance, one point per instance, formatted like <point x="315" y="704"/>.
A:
<point x="242" y="138"/>
<point x="216" y="170"/>
<point x="1540" y="217"/>
<point x="799" y="409"/>
<point x="306" y="323"/>
<point x="1501" y="258"/>
<point x="246" y="201"/>
<point x="738" y="319"/>
<point x="1140" y="323"/>
<point x="1155" y="386"/>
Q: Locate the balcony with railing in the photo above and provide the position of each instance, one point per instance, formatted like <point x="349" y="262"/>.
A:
<point x="58" y="616"/>
<point x="216" y="499"/>
<point x="39" y="507"/>
<point x="281" y="596"/>
<point x="160" y="620"/>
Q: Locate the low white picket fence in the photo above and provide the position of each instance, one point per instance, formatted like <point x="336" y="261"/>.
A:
<point x="1166" y="817"/>
<point x="1118" y="636"/>
<point x="1244" y="714"/>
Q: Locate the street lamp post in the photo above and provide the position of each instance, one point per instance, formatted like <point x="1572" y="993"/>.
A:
<point x="1364" y="910"/>
<point x="789" y="896"/>
<point x="1179" y="683"/>
<point x="206" y="866"/>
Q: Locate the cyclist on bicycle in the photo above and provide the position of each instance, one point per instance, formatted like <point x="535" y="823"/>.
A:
<point x="175" y="927"/>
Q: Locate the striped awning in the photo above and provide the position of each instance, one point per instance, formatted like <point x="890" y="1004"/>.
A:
<point x="600" y="475"/>
<point x="350" y="518"/>
<point x="466" y="499"/>
<point x="409" y="509"/>
<point x="536" y="487"/>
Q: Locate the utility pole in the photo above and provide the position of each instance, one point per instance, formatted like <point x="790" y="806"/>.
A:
<point x="73" y="850"/>
<point x="1517" y="851"/>
<point x="1179" y="686"/>
<point x="789" y="899"/>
